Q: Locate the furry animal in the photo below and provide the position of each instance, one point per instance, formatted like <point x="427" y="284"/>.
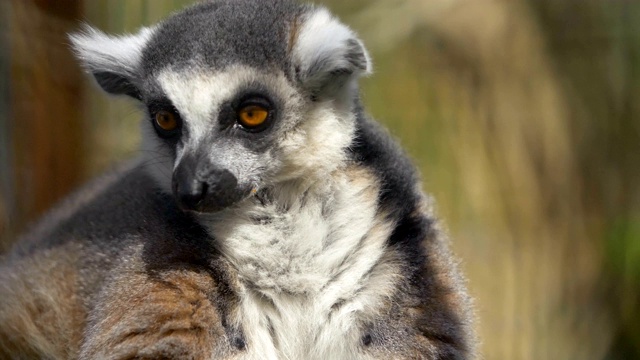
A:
<point x="268" y="217"/>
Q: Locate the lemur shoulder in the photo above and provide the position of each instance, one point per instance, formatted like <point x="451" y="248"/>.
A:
<point x="267" y="218"/>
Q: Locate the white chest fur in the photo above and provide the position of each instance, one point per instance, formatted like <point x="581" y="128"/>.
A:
<point x="313" y="266"/>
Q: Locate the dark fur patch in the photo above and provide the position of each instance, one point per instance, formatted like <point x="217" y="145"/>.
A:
<point x="374" y="148"/>
<point x="117" y="84"/>
<point x="435" y="306"/>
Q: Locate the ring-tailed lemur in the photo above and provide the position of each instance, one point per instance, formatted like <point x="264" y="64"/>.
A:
<point x="268" y="218"/>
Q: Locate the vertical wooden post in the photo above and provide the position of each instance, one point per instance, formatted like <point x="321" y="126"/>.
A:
<point x="6" y="179"/>
<point x="46" y="106"/>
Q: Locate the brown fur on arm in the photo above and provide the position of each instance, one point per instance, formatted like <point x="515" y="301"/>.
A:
<point x="171" y="315"/>
<point x="40" y="313"/>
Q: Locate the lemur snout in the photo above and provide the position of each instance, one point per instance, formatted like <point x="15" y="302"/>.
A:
<point x="191" y="194"/>
<point x="202" y="187"/>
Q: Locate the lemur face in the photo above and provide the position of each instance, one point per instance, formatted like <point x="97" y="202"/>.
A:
<point x="220" y="131"/>
<point x="239" y="95"/>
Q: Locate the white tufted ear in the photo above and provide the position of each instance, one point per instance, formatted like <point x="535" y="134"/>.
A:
<point x="112" y="60"/>
<point x="327" y="55"/>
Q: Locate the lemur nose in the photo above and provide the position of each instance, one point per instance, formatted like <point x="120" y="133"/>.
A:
<point x="190" y="195"/>
<point x="199" y="186"/>
<point x="189" y="191"/>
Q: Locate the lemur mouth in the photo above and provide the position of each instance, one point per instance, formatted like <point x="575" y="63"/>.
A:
<point x="206" y="205"/>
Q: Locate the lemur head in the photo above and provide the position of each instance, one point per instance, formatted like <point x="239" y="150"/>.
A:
<point x="240" y="95"/>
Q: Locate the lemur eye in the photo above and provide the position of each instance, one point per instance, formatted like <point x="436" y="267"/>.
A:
<point x="166" y="120"/>
<point x="252" y="116"/>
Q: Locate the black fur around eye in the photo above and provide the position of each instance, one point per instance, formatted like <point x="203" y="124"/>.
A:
<point x="252" y="116"/>
<point x="250" y="112"/>
<point x="165" y="118"/>
<point x="167" y="123"/>
<point x="254" y="113"/>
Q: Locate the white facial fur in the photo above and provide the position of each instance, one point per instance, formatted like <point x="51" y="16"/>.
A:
<point x="198" y="95"/>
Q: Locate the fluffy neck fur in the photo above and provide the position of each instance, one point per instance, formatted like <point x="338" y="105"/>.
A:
<point x="313" y="265"/>
<point x="301" y="237"/>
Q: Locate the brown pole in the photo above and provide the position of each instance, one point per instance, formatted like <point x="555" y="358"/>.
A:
<point x="46" y="106"/>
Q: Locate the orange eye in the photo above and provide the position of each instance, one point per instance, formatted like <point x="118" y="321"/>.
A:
<point x="252" y="116"/>
<point x="166" y="120"/>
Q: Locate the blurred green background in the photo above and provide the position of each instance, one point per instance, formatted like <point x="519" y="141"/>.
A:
<point x="523" y="115"/>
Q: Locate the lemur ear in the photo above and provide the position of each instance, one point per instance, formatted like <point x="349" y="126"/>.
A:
<point x="112" y="60"/>
<point x="327" y="55"/>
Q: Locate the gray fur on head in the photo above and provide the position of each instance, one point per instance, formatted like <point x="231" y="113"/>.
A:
<point x="316" y="51"/>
